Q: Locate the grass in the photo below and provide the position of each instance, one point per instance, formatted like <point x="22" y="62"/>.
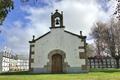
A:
<point x="112" y="74"/>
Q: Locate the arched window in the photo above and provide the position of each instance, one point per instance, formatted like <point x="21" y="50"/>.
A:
<point x="57" y="21"/>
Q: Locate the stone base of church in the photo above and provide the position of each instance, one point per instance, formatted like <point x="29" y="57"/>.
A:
<point x="67" y="70"/>
<point x="75" y="70"/>
<point x="40" y="70"/>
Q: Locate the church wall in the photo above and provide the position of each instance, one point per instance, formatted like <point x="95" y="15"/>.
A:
<point x="1" y="62"/>
<point x="58" y="39"/>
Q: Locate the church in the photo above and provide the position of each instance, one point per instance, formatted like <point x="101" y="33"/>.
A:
<point x="58" y="51"/>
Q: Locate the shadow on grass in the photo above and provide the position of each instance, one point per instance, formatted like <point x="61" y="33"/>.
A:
<point x="19" y="73"/>
<point x="29" y="73"/>
<point x="105" y="70"/>
<point x="26" y="73"/>
<point x="90" y="71"/>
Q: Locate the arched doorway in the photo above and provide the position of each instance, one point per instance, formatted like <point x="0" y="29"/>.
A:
<point x="57" y="66"/>
<point x="52" y="57"/>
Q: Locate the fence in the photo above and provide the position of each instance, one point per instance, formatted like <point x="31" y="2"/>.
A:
<point x="102" y="63"/>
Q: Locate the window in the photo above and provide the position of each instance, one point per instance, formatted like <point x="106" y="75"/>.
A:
<point x="32" y="52"/>
<point x="82" y="55"/>
<point x="32" y="60"/>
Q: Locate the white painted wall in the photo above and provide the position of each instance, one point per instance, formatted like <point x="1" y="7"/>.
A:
<point x="58" y="39"/>
<point x="0" y="62"/>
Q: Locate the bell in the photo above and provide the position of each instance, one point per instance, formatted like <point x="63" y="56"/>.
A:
<point x="57" y="21"/>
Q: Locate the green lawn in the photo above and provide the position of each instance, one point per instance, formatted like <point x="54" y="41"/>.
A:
<point x="105" y="75"/>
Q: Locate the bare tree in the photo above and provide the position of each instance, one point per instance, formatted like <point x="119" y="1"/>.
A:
<point x="90" y="50"/>
<point x="107" y="36"/>
<point x="115" y="42"/>
<point x="98" y="33"/>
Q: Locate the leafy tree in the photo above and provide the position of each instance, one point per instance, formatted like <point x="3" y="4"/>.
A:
<point x="5" y="7"/>
<point x="117" y="10"/>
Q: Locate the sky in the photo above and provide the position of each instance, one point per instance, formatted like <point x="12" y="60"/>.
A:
<point x="28" y="19"/>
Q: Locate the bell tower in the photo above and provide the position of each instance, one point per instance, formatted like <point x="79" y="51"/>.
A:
<point x="57" y="20"/>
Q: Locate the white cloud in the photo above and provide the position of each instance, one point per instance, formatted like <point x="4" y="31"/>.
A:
<point x="78" y="15"/>
<point x="17" y="38"/>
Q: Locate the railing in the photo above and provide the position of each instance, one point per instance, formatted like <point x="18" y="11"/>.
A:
<point x="102" y="63"/>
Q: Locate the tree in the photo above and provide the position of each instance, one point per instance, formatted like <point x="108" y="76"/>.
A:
<point x="5" y="7"/>
<point x="107" y="36"/>
<point x="98" y="33"/>
<point x="90" y="50"/>
<point x="117" y="10"/>
<point x="115" y="47"/>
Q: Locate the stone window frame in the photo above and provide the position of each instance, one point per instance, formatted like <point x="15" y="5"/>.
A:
<point x="32" y="60"/>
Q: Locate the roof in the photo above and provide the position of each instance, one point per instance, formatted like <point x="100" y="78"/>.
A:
<point x="39" y="37"/>
<point x="82" y="37"/>
<point x="23" y="57"/>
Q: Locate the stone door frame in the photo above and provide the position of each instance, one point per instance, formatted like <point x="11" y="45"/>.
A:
<point x="53" y="52"/>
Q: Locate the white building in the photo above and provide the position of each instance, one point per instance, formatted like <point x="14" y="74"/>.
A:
<point x="23" y="63"/>
<point x="11" y="63"/>
<point x="58" y="51"/>
<point x="5" y="61"/>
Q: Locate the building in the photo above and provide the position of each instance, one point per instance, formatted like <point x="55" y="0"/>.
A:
<point x="5" y="61"/>
<point x="58" y="51"/>
<point x="23" y="63"/>
<point x="12" y="63"/>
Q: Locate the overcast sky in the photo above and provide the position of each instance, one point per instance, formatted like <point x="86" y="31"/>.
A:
<point x="34" y="19"/>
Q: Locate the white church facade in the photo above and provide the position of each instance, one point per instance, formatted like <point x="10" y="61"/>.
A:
<point x="58" y="51"/>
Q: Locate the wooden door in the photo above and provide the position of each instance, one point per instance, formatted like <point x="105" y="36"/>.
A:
<point x="56" y="63"/>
